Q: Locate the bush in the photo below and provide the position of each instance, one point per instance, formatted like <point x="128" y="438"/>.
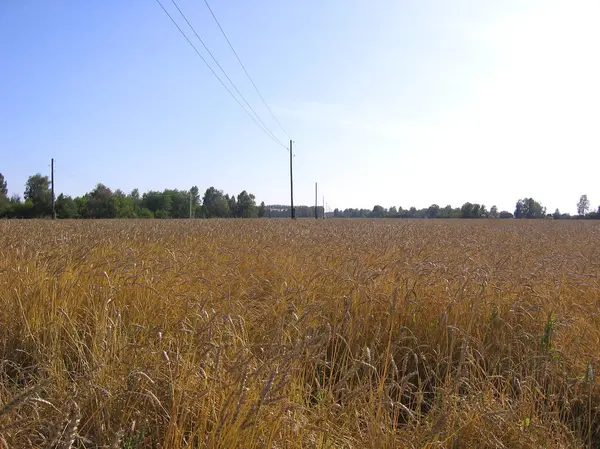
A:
<point x="145" y="213"/>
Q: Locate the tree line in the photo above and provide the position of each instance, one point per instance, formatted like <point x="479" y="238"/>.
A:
<point x="102" y="202"/>
<point x="524" y="208"/>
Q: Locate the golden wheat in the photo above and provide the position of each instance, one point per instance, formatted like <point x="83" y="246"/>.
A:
<point x="268" y="333"/>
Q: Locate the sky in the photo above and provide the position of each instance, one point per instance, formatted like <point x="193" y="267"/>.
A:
<point x="390" y="102"/>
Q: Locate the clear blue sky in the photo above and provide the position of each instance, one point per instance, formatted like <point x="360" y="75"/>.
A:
<point x="394" y="102"/>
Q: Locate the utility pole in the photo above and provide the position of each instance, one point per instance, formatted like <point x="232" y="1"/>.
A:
<point x="323" y="207"/>
<point x="292" y="183"/>
<point x="52" y="180"/>
<point x="316" y="205"/>
<point x="191" y="204"/>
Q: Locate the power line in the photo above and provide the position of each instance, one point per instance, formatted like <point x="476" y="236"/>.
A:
<point x="218" y="78"/>
<point x="270" y="135"/>
<point x="244" y="67"/>
<point x="222" y="69"/>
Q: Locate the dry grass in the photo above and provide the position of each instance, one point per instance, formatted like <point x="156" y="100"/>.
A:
<point x="272" y="334"/>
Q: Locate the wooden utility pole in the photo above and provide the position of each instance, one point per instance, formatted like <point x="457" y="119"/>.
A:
<point x="293" y="212"/>
<point x="191" y="204"/>
<point x="52" y="181"/>
<point x="316" y="205"/>
<point x="323" y="208"/>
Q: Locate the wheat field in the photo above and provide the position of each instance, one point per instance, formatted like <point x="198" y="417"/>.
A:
<point x="307" y="334"/>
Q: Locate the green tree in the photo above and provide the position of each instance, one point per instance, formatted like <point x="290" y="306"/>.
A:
<point x="4" y="202"/>
<point x="446" y="212"/>
<point x="195" y="201"/>
<point x="65" y="207"/>
<point x="5" y="207"/>
<point x="466" y="210"/>
<point x="583" y="206"/>
<point x="37" y="190"/>
<point x="101" y="203"/>
<point x="233" y="206"/>
<point x="483" y="212"/>
<point x="144" y="212"/>
<point x="214" y="204"/>
<point x="556" y="214"/>
<point x="529" y="208"/>
<point x="262" y="209"/>
<point x="433" y="211"/>
<point x="535" y="209"/>
<point x="594" y="215"/>
<point x="158" y="203"/>
<point x="161" y="213"/>
<point x="3" y="187"/>
<point x="124" y="204"/>
<point x="19" y="209"/>
<point x="180" y="203"/>
<point x="246" y="205"/>
<point x="378" y="211"/>
<point x="520" y="209"/>
<point x="81" y="203"/>
<point x="136" y="201"/>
